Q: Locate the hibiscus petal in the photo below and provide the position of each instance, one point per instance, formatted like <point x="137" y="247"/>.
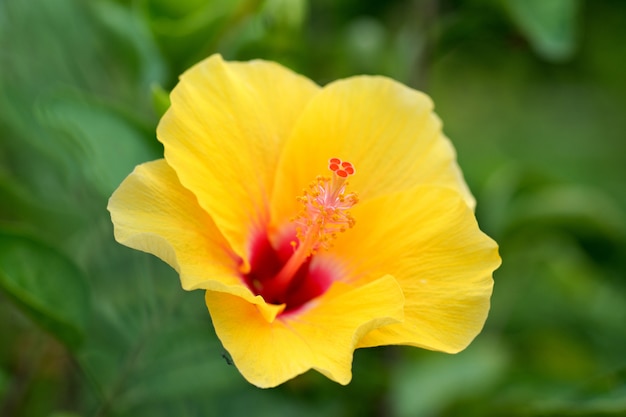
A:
<point x="223" y="134"/>
<point x="154" y="213"/>
<point x="320" y="337"/>
<point x="428" y="239"/>
<point x="387" y="130"/>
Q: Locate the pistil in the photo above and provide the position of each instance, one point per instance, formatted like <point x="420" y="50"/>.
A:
<point x="324" y="214"/>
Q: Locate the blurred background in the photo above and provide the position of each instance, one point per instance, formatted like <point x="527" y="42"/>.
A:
<point x="531" y="92"/>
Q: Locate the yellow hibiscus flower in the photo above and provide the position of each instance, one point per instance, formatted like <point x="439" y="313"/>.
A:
<point x="256" y="203"/>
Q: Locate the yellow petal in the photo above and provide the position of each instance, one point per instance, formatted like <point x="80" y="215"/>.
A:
<point x="320" y="337"/>
<point x="428" y="239"/>
<point x="223" y="134"/>
<point x="152" y="212"/>
<point x="387" y="130"/>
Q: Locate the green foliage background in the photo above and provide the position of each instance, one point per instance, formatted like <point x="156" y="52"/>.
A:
<point x="532" y="93"/>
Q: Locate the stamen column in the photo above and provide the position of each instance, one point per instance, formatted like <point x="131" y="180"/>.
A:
<point x="324" y="214"/>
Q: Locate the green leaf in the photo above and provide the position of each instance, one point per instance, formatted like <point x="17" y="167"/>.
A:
<point x="190" y="30"/>
<point x="587" y="211"/>
<point x="160" y="99"/>
<point x="608" y="398"/>
<point x="183" y="360"/>
<point x="290" y="13"/>
<point x="63" y="414"/>
<point x="110" y="143"/>
<point x="46" y="285"/>
<point x="549" y="25"/>
<point x="133" y="36"/>
<point x="4" y="382"/>
<point x="423" y="388"/>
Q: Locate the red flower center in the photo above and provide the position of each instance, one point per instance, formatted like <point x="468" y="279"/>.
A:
<point x="287" y="275"/>
<point x="310" y="280"/>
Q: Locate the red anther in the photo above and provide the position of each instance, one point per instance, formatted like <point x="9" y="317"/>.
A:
<point x="346" y="164"/>
<point x="341" y="173"/>
<point x="333" y="167"/>
<point x="334" y="161"/>
<point x="349" y="170"/>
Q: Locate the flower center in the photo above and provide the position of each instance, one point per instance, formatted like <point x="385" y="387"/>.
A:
<point x="323" y="215"/>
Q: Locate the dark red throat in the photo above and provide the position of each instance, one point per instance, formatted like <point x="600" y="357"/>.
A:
<point x="310" y="281"/>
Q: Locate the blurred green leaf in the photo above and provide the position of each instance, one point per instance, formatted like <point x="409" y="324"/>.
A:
<point x="106" y="50"/>
<point x="160" y="99"/>
<point x="133" y="38"/>
<point x="58" y="140"/>
<point x="109" y="143"/>
<point x="549" y="25"/>
<point x="181" y="361"/>
<point x="426" y="387"/>
<point x="63" y="414"/>
<point x="586" y="211"/>
<point x="46" y="285"/>
<point x="290" y="13"/>
<point x="175" y="9"/>
<point x="4" y="382"/>
<point x="605" y="396"/>
<point x="191" y="30"/>
<point x="366" y="40"/>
